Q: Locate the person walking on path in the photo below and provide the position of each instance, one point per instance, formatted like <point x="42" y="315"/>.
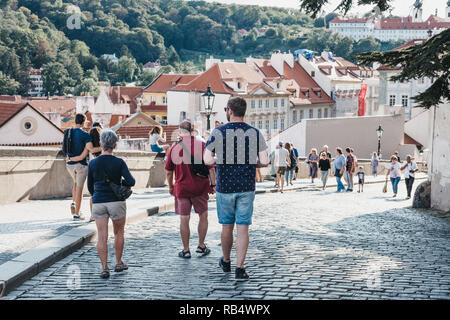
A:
<point x="236" y="180"/>
<point x="327" y="153"/>
<point x="95" y="136"/>
<point x="292" y="164"/>
<point x="273" y="170"/>
<point x="324" y="166"/>
<point x="410" y="168"/>
<point x="313" y="160"/>
<point x="78" y="169"/>
<point x="398" y="156"/>
<point x="394" y="172"/>
<point x="190" y="190"/>
<point x="297" y="160"/>
<point x="361" y="175"/>
<point x="339" y="169"/>
<point x="282" y="161"/>
<point x="350" y="169"/>
<point x="374" y="162"/>
<point x="103" y="171"/>
<point x="156" y="138"/>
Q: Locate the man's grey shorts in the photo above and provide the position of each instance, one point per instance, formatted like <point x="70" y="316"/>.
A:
<point x="114" y="210"/>
<point x="78" y="172"/>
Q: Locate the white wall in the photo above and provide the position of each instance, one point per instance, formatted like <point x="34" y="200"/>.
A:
<point x="439" y="168"/>
<point x="419" y="128"/>
<point x="44" y="132"/>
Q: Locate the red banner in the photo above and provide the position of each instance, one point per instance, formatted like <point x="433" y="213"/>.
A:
<point x="362" y="100"/>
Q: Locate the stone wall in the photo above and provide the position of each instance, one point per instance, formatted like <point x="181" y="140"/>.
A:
<point x="40" y="173"/>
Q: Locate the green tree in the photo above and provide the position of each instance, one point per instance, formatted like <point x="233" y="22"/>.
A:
<point x="56" y="78"/>
<point x="367" y="45"/>
<point x="8" y="85"/>
<point x="146" y="77"/>
<point x="126" y="69"/>
<point x="87" y="85"/>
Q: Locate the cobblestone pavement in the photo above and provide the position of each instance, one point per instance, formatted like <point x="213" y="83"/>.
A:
<point x="304" y="245"/>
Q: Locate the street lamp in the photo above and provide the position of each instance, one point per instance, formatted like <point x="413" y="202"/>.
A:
<point x="379" y="135"/>
<point x="208" y="101"/>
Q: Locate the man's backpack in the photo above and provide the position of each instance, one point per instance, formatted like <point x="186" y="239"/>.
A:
<point x="67" y="142"/>
<point x="198" y="169"/>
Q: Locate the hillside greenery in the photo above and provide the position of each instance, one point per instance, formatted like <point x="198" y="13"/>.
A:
<point x="178" y="34"/>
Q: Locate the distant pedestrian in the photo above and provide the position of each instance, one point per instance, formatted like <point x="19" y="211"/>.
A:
<point x="292" y="163"/>
<point x="398" y="156"/>
<point x="94" y="133"/>
<point x="296" y="162"/>
<point x="273" y="170"/>
<point x="155" y="138"/>
<point x="324" y="166"/>
<point x="410" y="168"/>
<point x="190" y="190"/>
<point x="282" y="161"/>
<point x="78" y="169"/>
<point x="354" y="158"/>
<point x="394" y="172"/>
<point x="103" y="171"/>
<point x="327" y="153"/>
<point x="361" y="176"/>
<point x="236" y="180"/>
<point x="374" y="162"/>
<point x="350" y="169"/>
<point x="339" y="169"/>
<point x="313" y="160"/>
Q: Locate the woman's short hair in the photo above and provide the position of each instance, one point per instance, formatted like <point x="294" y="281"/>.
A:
<point x="287" y="146"/>
<point x="314" y="150"/>
<point x="394" y="157"/>
<point x="108" y="139"/>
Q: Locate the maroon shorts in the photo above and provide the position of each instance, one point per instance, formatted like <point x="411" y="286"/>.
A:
<point x="183" y="206"/>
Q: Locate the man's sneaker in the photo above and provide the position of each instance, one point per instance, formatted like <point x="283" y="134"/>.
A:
<point x="241" y="274"/>
<point x="78" y="217"/>
<point x="226" y="266"/>
<point x="72" y="208"/>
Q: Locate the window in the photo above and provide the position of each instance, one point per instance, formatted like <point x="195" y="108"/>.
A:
<point x="325" y="113"/>
<point x="275" y="124"/>
<point x="311" y="113"/>
<point x="392" y="100"/>
<point x="278" y="85"/>
<point x="282" y="102"/>
<point x="302" y="115"/>
<point x="405" y="101"/>
<point x="313" y="74"/>
<point x="294" y="116"/>
<point x="267" y="103"/>
<point x="239" y="85"/>
<point x="267" y="126"/>
<point x="259" y="103"/>
<point x="307" y="93"/>
<point x="319" y="94"/>
<point x="282" y="123"/>
<point x="259" y="124"/>
<point x="252" y="123"/>
<point x="164" y="100"/>
<point x="319" y="113"/>
<point x="275" y="103"/>
<point x="253" y="104"/>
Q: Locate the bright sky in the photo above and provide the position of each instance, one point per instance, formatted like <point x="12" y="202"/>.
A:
<point x="401" y="7"/>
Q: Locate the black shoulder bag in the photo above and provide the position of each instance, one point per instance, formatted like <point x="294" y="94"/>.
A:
<point x="198" y="169"/>
<point x="122" y="192"/>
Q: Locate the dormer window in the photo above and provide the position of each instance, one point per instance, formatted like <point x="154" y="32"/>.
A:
<point x="278" y="85"/>
<point x="239" y="85"/>
<point x="307" y="93"/>
<point x="313" y="74"/>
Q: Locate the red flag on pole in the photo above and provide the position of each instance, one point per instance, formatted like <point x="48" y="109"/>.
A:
<point x="362" y="100"/>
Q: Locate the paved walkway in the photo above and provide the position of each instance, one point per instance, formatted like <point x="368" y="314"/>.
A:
<point x="304" y="244"/>
<point x="25" y="225"/>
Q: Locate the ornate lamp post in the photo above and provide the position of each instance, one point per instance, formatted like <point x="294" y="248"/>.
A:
<point x="379" y="135"/>
<point x="208" y="101"/>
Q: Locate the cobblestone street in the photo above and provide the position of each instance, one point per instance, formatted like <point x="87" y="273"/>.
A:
<point x="304" y="244"/>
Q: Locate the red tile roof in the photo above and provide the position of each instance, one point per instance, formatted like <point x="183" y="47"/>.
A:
<point x="211" y="77"/>
<point x="304" y="81"/>
<point x="124" y="94"/>
<point x="357" y="20"/>
<point x="267" y="69"/>
<point x="154" y="107"/>
<point x="407" y="23"/>
<point x="411" y="43"/>
<point x="7" y="110"/>
<point x="164" y="82"/>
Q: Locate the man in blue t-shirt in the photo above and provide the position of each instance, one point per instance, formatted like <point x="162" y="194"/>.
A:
<point x="80" y="140"/>
<point x="239" y="149"/>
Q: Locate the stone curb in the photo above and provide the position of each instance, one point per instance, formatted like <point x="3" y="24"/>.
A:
<point x="16" y="271"/>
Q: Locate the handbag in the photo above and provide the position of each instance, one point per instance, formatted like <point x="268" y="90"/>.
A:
<point x="121" y="191"/>
<point x="198" y="169"/>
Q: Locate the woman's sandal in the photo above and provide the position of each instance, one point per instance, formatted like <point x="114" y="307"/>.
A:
<point x="105" y="274"/>
<point x="120" y="267"/>
<point x="204" y="251"/>
<point x="185" y="254"/>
